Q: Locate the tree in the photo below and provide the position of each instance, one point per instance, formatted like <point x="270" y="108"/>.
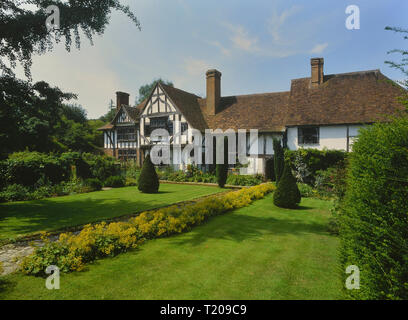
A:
<point x="148" y="179"/>
<point x="221" y="170"/>
<point x="279" y="159"/>
<point x="145" y="90"/>
<point x="23" y="31"/>
<point x="287" y="194"/>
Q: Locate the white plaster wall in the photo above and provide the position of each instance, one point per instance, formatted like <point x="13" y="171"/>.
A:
<point x="331" y="137"/>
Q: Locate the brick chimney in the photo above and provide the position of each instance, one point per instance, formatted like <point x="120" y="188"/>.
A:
<point x="317" y="71"/>
<point x="121" y="98"/>
<point x="213" y="91"/>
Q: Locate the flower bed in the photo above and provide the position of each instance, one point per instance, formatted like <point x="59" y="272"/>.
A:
<point x="70" y="252"/>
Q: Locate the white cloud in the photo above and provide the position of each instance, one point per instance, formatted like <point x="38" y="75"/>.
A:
<point x="277" y="21"/>
<point x="241" y="39"/>
<point x="224" y="50"/>
<point x="195" y="67"/>
<point x="319" y="48"/>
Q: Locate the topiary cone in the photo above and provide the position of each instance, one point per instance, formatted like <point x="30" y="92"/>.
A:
<point x="287" y="194"/>
<point x="148" y="179"/>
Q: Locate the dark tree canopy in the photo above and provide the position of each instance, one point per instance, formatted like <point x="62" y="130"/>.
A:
<point x="34" y="117"/>
<point x="23" y="31"/>
<point x="279" y="159"/>
<point x="145" y="90"/>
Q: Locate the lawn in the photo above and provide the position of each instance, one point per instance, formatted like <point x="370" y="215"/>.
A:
<point x="25" y="217"/>
<point x="257" y="252"/>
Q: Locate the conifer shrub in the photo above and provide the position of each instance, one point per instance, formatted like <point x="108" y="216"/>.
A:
<point x="148" y="180"/>
<point x="287" y="194"/>
<point x="221" y="170"/>
<point x="278" y="158"/>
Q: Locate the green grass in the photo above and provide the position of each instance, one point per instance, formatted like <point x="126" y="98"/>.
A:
<point x="25" y="217"/>
<point x="257" y="252"/>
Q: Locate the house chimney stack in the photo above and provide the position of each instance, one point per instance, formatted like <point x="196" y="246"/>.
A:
<point x="213" y="91"/>
<point x="121" y="98"/>
<point x="317" y="71"/>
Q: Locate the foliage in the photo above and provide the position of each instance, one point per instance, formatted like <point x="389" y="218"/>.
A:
<point x="94" y="183"/>
<point x="306" y="162"/>
<point x="71" y="251"/>
<point x="24" y="33"/>
<point x="287" y="194"/>
<point x="194" y="175"/>
<point x="14" y="192"/>
<point x="148" y="180"/>
<point x="145" y="90"/>
<point x="279" y="159"/>
<point x="34" y="168"/>
<point x="244" y="180"/>
<point x="34" y="117"/>
<point x="307" y="191"/>
<point x="373" y="221"/>
<point x="270" y="169"/>
<point x="221" y="170"/>
<point x="115" y="182"/>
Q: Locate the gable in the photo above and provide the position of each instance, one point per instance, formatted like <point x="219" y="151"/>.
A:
<point x="158" y="103"/>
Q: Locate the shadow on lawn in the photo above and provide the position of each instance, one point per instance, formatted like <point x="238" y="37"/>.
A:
<point x="29" y="217"/>
<point x="239" y="227"/>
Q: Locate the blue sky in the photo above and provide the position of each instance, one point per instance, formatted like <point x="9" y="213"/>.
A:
<point x="259" y="46"/>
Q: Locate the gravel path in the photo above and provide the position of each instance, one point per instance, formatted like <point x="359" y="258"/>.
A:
<point x="11" y="256"/>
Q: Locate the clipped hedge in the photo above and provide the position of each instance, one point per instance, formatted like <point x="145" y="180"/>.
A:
<point x="115" y="182"/>
<point x="374" y="216"/>
<point x="70" y="252"/>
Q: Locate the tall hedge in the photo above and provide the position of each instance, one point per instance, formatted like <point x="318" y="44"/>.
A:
<point x="287" y="194"/>
<point x="374" y="221"/>
<point x="279" y="159"/>
<point x="148" y="180"/>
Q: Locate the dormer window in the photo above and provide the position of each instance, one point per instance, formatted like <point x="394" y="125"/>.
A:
<point x="308" y="135"/>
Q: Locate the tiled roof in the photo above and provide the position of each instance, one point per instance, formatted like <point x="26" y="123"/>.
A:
<point x="188" y="104"/>
<point x="357" y="97"/>
<point x="265" y="112"/>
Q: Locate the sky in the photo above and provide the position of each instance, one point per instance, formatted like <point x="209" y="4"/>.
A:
<point x="259" y="46"/>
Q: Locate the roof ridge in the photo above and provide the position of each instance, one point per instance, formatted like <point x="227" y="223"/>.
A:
<point x="183" y="91"/>
<point x="257" y="94"/>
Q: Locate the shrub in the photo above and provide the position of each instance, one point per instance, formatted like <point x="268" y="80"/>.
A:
<point x="287" y="194"/>
<point x="114" y="182"/>
<point x="148" y="180"/>
<point x="94" y="183"/>
<point x="15" y="192"/>
<point x="244" y="180"/>
<point x="306" y="162"/>
<point x="306" y="191"/>
<point x="34" y="168"/>
<point x="71" y="251"/>
<point x="373" y="222"/>
<point x="279" y="159"/>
